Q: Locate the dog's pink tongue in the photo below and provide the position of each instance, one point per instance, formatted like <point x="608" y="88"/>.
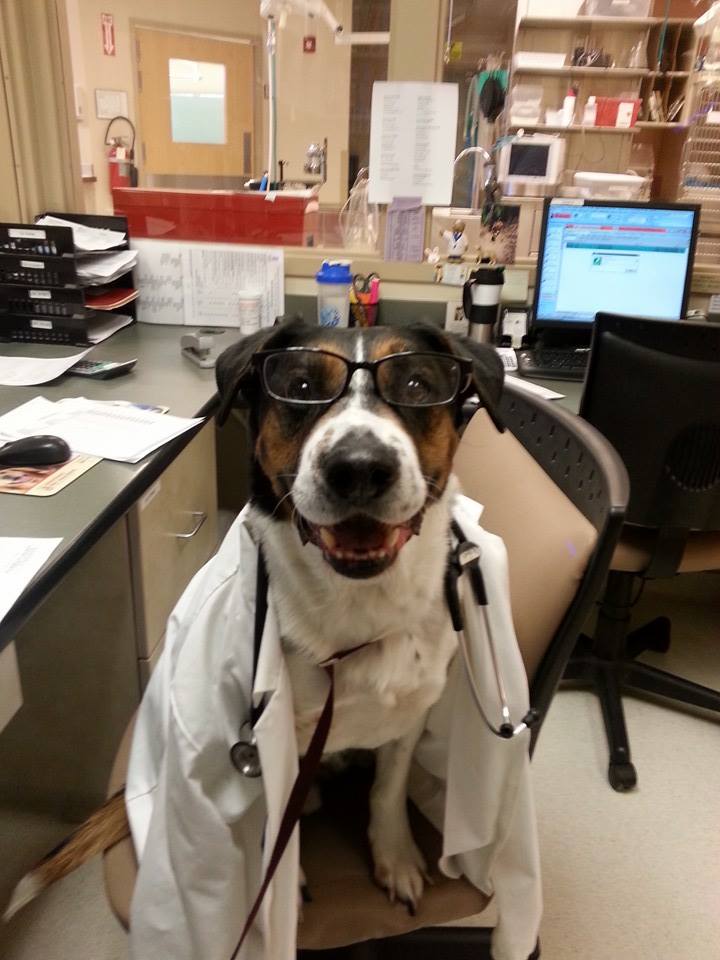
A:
<point x="360" y="533"/>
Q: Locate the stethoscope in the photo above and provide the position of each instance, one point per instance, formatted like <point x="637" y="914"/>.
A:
<point x="464" y="559"/>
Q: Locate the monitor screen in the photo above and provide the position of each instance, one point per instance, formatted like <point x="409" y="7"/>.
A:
<point x="628" y="258"/>
<point x="528" y="159"/>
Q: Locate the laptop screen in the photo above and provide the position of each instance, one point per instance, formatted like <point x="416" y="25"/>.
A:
<point x="617" y="258"/>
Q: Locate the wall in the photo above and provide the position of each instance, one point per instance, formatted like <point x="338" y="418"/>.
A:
<point x="313" y="92"/>
<point x="313" y="89"/>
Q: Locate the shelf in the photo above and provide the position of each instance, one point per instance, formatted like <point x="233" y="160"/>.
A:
<point x="573" y="128"/>
<point x="673" y="74"/>
<point x="659" y="125"/>
<point x="603" y="73"/>
<point x="602" y="23"/>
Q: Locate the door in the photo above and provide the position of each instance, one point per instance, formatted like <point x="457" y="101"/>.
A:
<point x="195" y="104"/>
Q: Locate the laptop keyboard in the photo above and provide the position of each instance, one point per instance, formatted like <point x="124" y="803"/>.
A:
<point x="553" y="364"/>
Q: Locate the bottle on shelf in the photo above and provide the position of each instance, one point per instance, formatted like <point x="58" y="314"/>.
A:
<point x="568" y="107"/>
<point x="590" y="112"/>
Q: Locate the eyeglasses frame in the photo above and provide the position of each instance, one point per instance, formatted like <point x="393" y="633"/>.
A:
<point x="352" y="366"/>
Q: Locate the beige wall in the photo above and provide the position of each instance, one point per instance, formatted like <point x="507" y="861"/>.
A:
<point x="313" y="89"/>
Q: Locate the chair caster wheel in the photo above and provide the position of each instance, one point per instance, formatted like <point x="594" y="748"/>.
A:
<point x="622" y="776"/>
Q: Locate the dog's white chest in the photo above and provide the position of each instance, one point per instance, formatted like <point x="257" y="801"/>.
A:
<point x="380" y="691"/>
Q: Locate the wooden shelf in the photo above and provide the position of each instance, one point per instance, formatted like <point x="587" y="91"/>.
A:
<point x="602" y="23"/>
<point x="674" y="74"/>
<point x="573" y="128"/>
<point x="659" y="125"/>
<point x="602" y="73"/>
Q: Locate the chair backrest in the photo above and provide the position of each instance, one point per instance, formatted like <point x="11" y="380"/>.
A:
<point x="653" y="389"/>
<point x="554" y="489"/>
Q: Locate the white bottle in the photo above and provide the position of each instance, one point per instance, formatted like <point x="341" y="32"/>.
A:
<point x="590" y="112"/>
<point x="568" y="107"/>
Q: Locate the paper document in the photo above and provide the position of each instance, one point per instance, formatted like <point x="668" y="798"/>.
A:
<point x="413" y="129"/>
<point x="105" y="267"/>
<point x="199" y="284"/>
<point x="534" y="388"/>
<point x="30" y="371"/>
<point x="103" y="327"/>
<point x="405" y="229"/>
<point x="86" y="238"/>
<point x="20" y="560"/>
<point x="99" y="429"/>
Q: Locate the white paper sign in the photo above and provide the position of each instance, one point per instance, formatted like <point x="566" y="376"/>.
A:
<point x="413" y="127"/>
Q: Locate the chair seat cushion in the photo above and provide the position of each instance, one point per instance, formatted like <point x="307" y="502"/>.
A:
<point x="634" y="551"/>
<point x="346" y="906"/>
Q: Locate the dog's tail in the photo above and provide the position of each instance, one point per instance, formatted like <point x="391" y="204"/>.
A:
<point x="103" y="829"/>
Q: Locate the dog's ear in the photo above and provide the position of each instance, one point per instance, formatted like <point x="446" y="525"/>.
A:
<point x="488" y="374"/>
<point x="235" y="373"/>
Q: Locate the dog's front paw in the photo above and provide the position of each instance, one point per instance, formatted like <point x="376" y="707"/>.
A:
<point x="399" y="868"/>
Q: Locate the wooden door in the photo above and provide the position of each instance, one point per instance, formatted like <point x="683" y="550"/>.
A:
<point x="195" y="104"/>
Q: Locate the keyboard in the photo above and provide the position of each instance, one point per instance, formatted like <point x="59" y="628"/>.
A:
<point x="553" y="364"/>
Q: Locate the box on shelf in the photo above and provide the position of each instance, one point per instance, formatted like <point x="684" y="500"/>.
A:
<point x="616" y="8"/>
<point x="533" y="59"/>
<point x="616" y="112"/>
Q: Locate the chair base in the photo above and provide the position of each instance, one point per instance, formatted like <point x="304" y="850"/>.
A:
<point x="591" y="666"/>
<point x="449" y="943"/>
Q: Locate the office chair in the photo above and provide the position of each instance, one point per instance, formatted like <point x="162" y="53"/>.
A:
<point x="653" y="389"/>
<point x="555" y="490"/>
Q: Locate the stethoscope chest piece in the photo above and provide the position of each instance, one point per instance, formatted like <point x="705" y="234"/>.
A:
<point x="244" y="754"/>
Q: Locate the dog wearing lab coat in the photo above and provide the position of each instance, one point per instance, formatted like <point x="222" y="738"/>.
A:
<point x="354" y="433"/>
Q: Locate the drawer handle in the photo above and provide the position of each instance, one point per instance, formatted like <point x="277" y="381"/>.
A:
<point x="200" y="518"/>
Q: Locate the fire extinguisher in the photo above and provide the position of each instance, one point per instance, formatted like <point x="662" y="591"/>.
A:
<point x="122" y="170"/>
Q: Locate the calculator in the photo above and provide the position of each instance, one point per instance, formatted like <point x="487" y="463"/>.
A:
<point x="102" y="369"/>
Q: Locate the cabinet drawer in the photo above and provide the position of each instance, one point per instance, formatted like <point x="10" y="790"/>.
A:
<point x="173" y="531"/>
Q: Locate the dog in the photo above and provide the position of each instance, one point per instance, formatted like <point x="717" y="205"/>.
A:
<point x="353" y="437"/>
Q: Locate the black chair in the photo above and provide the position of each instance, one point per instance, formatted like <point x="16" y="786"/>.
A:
<point x="653" y="389"/>
<point x="556" y="492"/>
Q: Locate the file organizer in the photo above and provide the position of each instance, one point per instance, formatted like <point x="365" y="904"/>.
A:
<point x="42" y="299"/>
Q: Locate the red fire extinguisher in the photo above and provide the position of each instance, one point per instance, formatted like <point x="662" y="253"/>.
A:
<point x="122" y="170"/>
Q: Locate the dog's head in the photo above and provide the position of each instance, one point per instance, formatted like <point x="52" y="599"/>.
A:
<point x="354" y="431"/>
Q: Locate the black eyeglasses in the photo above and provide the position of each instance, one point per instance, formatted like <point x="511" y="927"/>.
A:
<point x="308" y="375"/>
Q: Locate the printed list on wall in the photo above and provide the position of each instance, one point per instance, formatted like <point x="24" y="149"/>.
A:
<point x="412" y="141"/>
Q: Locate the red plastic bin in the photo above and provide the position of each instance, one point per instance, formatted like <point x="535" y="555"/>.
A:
<point x="218" y="216"/>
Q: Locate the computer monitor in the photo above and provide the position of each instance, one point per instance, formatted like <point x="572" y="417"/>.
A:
<point x="614" y="257"/>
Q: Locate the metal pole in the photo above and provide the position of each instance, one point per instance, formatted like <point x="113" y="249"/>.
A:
<point x="272" y="102"/>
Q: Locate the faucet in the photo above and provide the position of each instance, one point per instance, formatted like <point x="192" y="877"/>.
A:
<point x="483" y="177"/>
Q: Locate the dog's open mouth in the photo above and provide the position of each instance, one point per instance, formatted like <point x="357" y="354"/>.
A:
<point x="362" y="546"/>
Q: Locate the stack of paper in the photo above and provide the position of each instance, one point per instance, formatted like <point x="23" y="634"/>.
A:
<point x="105" y="267"/>
<point x="86" y="239"/>
<point x="103" y="327"/>
<point x="100" y="429"/>
<point x="30" y="371"/>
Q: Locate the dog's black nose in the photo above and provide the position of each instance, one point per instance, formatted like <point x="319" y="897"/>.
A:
<point x="360" y="468"/>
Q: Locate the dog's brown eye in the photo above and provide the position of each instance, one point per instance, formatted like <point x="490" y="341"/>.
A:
<point x="417" y="390"/>
<point x="418" y="380"/>
<point x="299" y="388"/>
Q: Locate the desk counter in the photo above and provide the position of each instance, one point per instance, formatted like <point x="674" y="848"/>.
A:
<point x="85" y="509"/>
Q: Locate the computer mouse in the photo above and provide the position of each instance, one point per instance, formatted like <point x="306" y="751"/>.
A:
<point x="40" y="451"/>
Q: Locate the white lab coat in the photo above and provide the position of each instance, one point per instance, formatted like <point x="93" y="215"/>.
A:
<point x="198" y="825"/>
